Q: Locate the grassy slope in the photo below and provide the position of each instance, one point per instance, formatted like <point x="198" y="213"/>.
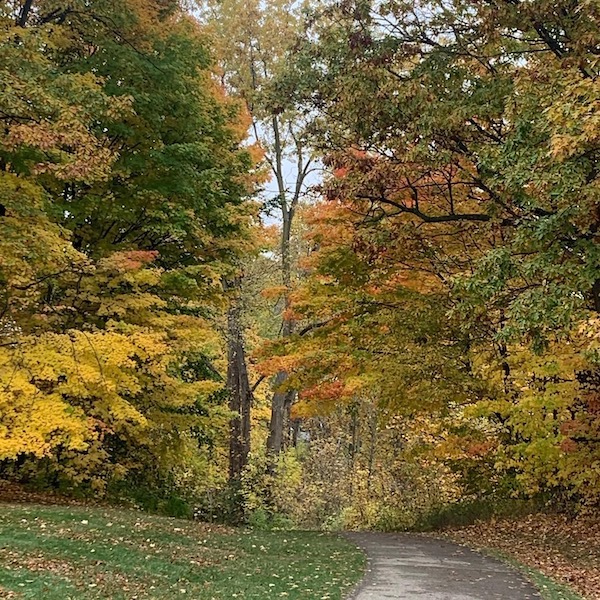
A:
<point x="62" y="553"/>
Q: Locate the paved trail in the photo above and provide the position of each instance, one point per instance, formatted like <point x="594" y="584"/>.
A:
<point x="407" y="566"/>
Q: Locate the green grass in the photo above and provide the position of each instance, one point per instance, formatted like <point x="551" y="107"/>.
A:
<point x="63" y="553"/>
<point x="548" y="588"/>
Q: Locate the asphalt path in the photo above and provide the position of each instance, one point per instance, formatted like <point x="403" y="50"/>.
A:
<point x="422" y="568"/>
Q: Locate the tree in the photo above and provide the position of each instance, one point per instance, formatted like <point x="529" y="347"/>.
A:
<point x="238" y="384"/>
<point x="253" y="41"/>
<point x="465" y="108"/>
<point x="462" y="222"/>
<point x="124" y="203"/>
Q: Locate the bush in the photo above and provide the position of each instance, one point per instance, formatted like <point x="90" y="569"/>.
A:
<point x="465" y="513"/>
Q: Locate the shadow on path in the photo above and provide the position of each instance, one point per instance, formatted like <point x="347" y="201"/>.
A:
<point x="411" y="566"/>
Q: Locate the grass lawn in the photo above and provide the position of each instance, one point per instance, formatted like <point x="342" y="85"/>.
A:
<point x="72" y="552"/>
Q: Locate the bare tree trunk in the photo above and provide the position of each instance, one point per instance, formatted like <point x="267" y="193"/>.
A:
<point x="238" y="384"/>
<point x="280" y="135"/>
<point x="24" y="13"/>
<point x="353" y="410"/>
<point x="281" y="403"/>
<point x="354" y="447"/>
<point x="295" y="431"/>
<point x="282" y="400"/>
<point x="372" y="444"/>
<point x="276" y="424"/>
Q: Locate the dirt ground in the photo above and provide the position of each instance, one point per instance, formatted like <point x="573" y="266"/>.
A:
<point x="563" y="548"/>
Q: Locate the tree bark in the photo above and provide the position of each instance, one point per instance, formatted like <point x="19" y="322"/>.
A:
<point x="238" y="384"/>
<point x="281" y="401"/>
<point x="596" y="295"/>
<point x="372" y="444"/>
<point x="24" y="13"/>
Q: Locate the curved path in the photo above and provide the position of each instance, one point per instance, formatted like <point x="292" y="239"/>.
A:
<point x="421" y="568"/>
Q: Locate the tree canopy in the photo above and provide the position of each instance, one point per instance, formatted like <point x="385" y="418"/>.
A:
<point x="124" y="178"/>
<point x="455" y="272"/>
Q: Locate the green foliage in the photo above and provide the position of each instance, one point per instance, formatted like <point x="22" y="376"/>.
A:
<point x="442" y="331"/>
<point x="123" y="185"/>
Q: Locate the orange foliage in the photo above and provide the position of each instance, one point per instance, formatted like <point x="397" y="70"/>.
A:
<point x="325" y="392"/>
<point x="131" y="260"/>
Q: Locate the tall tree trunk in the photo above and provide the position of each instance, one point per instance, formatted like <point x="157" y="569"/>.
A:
<point x="282" y="401"/>
<point x="281" y="135"/>
<point x="277" y="422"/>
<point x="596" y="295"/>
<point x="373" y="425"/>
<point x="238" y="384"/>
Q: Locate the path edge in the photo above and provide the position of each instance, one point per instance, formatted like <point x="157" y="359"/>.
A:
<point x="368" y="571"/>
<point x="511" y="562"/>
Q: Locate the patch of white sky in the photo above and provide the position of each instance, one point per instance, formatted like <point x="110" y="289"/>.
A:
<point x="308" y="195"/>
<point x="269" y="192"/>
